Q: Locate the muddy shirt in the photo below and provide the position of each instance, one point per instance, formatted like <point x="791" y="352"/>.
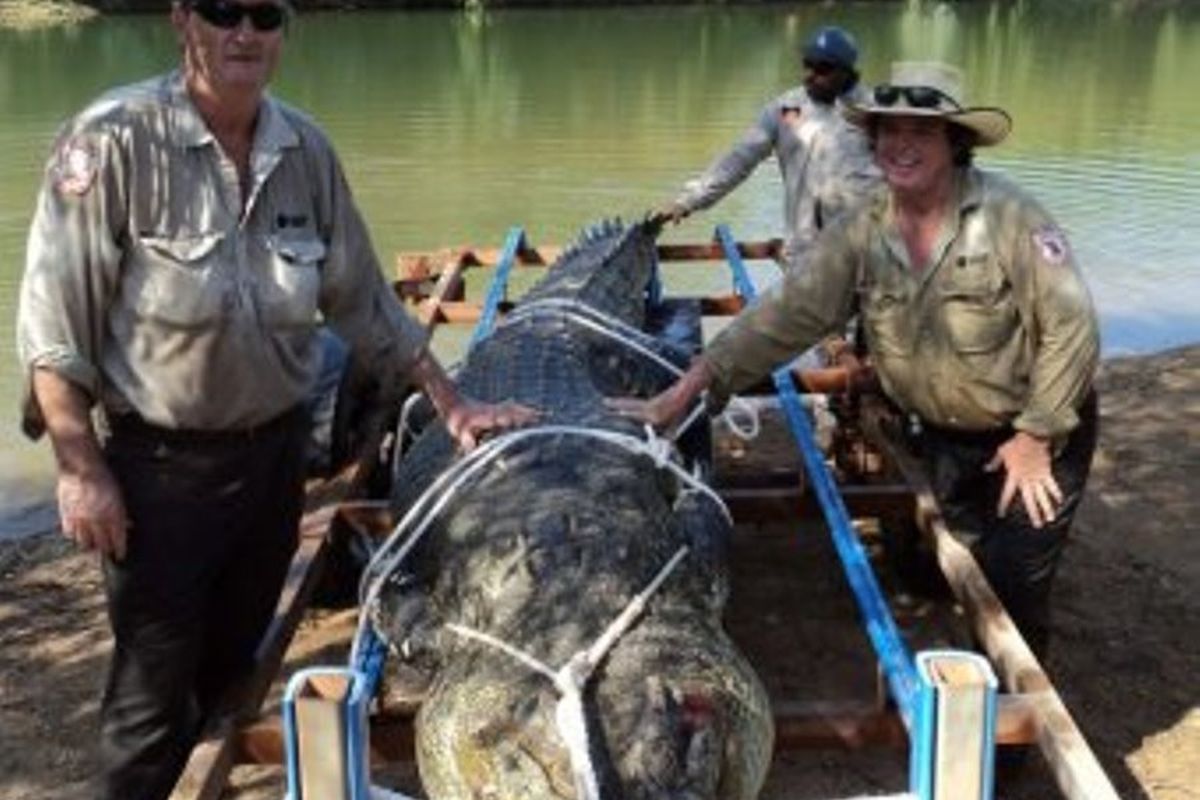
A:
<point x="997" y="329"/>
<point x="148" y="286"/>
<point x="825" y="163"/>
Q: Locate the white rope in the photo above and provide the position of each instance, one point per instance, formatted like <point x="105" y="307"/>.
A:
<point x="633" y="610"/>
<point x="404" y="432"/>
<point x="622" y="332"/>
<point x="518" y="655"/>
<point x="571" y="678"/>
<point x="604" y="324"/>
<point x="433" y="501"/>
<point x="406" y="410"/>
<point x="752" y="427"/>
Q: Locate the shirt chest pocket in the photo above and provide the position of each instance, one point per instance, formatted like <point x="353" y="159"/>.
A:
<point x="291" y="292"/>
<point x="888" y="320"/>
<point x="177" y="280"/>
<point x="977" y="309"/>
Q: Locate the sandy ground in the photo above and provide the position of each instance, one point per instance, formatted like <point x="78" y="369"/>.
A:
<point x="1126" y="656"/>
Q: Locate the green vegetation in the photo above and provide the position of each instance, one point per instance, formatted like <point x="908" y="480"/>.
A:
<point x="31" y="14"/>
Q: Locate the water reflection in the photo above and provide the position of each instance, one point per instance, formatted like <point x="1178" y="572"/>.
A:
<point x="454" y="127"/>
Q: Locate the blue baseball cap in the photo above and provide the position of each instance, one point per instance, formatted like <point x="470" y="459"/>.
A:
<point x="832" y="45"/>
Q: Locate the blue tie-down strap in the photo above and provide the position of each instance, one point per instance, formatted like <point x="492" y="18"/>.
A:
<point x="513" y="244"/>
<point x="890" y="648"/>
<point x="370" y="655"/>
<point x="345" y="720"/>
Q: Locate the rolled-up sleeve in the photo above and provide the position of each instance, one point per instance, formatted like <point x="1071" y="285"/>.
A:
<point x="356" y="300"/>
<point x="72" y="265"/>
<point x="731" y="168"/>
<point x="794" y="314"/>
<point x="1066" y="334"/>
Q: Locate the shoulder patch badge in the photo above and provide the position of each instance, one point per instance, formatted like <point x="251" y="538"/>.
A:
<point x="1051" y="242"/>
<point x="74" y="169"/>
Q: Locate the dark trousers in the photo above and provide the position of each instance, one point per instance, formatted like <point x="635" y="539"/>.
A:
<point x="213" y="528"/>
<point x="1018" y="559"/>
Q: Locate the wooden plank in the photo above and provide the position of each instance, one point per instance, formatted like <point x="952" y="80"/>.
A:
<point x="852" y="726"/>
<point x="417" y="266"/>
<point x="207" y="770"/>
<point x="449" y="288"/>
<point x="454" y="312"/>
<point x="324" y="771"/>
<point x="371" y="518"/>
<point x="721" y="305"/>
<point x="961" y="741"/>
<point x="464" y="312"/>
<point x="711" y="251"/>
<point x="1076" y="768"/>
<point x="428" y="265"/>
<point x="798" y="726"/>
<point x="747" y="503"/>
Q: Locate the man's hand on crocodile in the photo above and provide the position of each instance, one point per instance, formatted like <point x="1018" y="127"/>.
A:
<point x="468" y="421"/>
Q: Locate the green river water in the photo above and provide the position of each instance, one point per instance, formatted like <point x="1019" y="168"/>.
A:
<point x="454" y="127"/>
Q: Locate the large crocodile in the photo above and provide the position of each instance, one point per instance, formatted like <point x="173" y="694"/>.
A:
<point x="541" y="546"/>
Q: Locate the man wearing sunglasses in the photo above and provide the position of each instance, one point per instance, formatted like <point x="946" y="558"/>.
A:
<point x="824" y="161"/>
<point x="977" y="321"/>
<point x="190" y="234"/>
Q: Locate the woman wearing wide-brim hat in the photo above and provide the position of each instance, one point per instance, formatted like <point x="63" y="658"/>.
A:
<point x="977" y="321"/>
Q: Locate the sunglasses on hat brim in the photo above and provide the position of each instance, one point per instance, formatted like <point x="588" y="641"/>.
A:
<point x="887" y="95"/>
<point x="228" y="14"/>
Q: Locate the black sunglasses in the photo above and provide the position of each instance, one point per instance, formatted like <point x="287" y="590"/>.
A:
<point x="820" y="67"/>
<point x="887" y="95"/>
<point x="227" y="14"/>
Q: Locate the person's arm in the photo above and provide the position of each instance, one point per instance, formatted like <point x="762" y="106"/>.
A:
<point x="667" y="408"/>
<point x="1066" y="335"/>
<point x="803" y="307"/>
<point x="466" y="419"/>
<point x="727" y="171"/>
<point x="1067" y="347"/>
<point x="794" y="314"/>
<point x="90" y="507"/>
<point x="363" y="309"/>
<point x="72" y="266"/>
<point x="71" y="274"/>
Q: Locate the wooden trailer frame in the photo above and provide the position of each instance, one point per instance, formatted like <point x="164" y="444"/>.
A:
<point x="433" y="283"/>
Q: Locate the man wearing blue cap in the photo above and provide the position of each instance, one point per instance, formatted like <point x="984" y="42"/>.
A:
<point x="825" y="162"/>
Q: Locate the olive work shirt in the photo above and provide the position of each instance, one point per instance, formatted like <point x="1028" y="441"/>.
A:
<point x="998" y="329"/>
<point x="152" y="284"/>
<point x="825" y="163"/>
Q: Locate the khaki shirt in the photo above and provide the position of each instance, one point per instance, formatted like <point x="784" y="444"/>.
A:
<point x="825" y="163"/>
<point x="997" y="329"/>
<point x="155" y="287"/>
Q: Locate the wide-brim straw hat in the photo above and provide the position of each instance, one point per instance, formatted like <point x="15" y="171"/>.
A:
<point x="991" y="125"/>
